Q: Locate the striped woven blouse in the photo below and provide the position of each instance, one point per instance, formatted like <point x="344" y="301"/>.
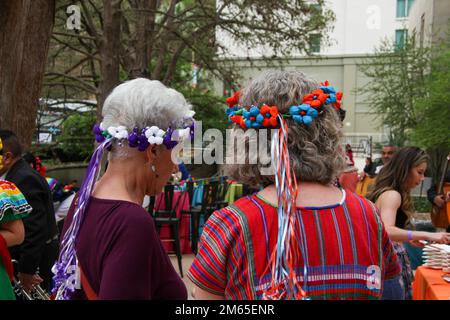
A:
<point x="348" y="252"/>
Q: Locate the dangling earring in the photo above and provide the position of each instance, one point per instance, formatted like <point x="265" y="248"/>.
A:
<point x="154" y="170"/>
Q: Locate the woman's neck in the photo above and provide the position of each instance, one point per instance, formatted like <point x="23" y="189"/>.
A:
<point x="310" y="194"/>
<point x="123" y="180"/>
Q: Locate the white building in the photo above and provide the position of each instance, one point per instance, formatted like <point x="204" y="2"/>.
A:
<point x="359" y="28"/>
<point x="429" y="19"/>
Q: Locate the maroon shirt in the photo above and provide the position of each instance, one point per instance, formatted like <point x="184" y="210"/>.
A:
<point x="121" y="254"/>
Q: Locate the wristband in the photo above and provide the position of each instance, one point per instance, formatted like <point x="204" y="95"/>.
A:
<point x="410" y="235"/>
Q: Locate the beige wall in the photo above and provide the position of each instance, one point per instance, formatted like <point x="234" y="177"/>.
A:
<point x="436" y="14"/>
<point x="343" y="73"/>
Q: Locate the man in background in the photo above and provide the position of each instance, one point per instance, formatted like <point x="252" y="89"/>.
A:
<point x="38" y="252"/>
<point x="386" y="154"/>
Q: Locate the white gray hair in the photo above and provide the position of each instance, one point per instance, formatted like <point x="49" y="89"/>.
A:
<point x="143" y="103"/>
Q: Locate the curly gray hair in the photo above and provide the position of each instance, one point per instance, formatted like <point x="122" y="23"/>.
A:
<point x="315" y="150"/>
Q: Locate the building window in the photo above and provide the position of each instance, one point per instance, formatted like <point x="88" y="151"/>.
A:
<point x="403" y="7"/>
<point x="314" y="43"/>
<point x="400" y="38"/>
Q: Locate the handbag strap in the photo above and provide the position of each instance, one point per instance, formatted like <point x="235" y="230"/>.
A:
<point x="90" y="293"/>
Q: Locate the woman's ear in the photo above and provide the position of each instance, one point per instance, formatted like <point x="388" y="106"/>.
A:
<point x="151" y="153"/>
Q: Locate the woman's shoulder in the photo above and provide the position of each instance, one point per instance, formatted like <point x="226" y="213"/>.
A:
<point x="391" y="196"/>
<point x="123" y="212"/>
<point x="252" y="204"/>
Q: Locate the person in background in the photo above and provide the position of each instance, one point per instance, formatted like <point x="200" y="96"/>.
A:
<point x="392" y="195"/>
<point x="39" y="250"/>
<point x="35" y="162"/>
<point x="387" y="152"/>
<point x="13" y="208"/>
<point x="348" y="179"/>
<point x="369" y="168"/>
<point x="439" y="200"/>
<point x="349" y="153"/>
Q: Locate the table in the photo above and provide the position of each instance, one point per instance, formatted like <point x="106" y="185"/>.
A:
<point x="429" y="285"/>
<point x="234" y="191"/>
<point x="166" y="232"/>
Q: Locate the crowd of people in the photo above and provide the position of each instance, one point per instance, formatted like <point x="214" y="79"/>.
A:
<point x="306" y="234"/>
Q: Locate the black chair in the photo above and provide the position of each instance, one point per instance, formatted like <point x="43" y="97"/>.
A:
<point x="222" y="191"/>
<point x="196" y="212"/>
<point x="168" y="217"/>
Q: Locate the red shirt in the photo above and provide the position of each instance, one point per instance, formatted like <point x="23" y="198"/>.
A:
<point x="345" y="243"/>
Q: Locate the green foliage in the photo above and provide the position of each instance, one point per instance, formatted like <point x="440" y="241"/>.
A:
<point x="397" y="82"/>
<point x="76" y="140"/>
<point x="433" y="110"/>
<point x="421" y="204"/>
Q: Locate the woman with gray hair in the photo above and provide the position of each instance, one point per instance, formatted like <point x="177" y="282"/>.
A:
<point x="109" y="240"/>
<point x="300" y="237"/>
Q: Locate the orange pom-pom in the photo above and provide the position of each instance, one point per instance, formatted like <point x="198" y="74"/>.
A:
<point x="273" y="121"/>
<point x="264" y="109"/>
<point x="236" y="119"/>
<point x="315" y="103"/>
<point x="274" y="111"/>
<point x="308" y="97"/>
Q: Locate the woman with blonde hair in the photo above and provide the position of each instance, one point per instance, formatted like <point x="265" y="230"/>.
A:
<point x="301" y="237"/>
<point x="392" y="195"/>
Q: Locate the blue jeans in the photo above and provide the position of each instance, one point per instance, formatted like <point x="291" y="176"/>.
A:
<point x="393" y="289"/>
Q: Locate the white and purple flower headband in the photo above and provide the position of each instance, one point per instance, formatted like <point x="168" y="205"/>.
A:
<point x="143" y="138"/>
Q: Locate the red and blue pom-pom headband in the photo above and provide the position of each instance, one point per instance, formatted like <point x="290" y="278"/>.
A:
<point x="313" y="104"/>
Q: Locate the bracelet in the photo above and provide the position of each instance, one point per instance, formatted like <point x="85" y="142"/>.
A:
<point x="410" y="235"/>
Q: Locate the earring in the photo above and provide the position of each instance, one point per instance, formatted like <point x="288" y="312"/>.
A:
<point x="154" y="171"/>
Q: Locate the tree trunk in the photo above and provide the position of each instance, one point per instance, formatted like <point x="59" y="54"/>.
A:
<point x="25" y="30"/>
<point x="109" y="51"/>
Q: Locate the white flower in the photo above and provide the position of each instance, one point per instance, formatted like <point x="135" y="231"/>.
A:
<point x="155" y="135"/>
<point x="184" y="133"/>
<point x="190" y="114"/>
<point x="102" y="126"/>
<point x="119" y="132"/>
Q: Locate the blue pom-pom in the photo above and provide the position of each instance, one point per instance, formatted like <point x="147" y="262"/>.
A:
<point x="254" y="111"/>
<point x="312" y="113"/>
<point x="307" y="120"/>
<point x="260" y="118"/>
<point x="294" y="110"/>
<point x="297" y="118"/>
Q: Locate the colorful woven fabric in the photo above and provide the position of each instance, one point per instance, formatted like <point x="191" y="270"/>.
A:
<point x="346" y="244"/>
<point x="407" y="274"/>
<point x="13" y="204"/>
